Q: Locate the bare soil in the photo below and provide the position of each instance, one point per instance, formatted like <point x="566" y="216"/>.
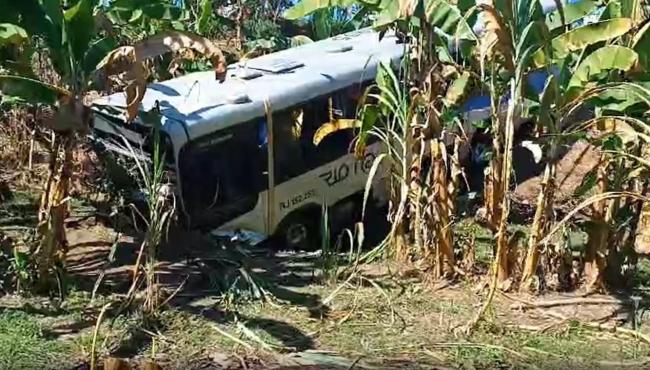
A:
<point x="580" y="159"/>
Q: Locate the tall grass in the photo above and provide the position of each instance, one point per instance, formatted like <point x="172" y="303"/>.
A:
<point x="161" y="206"/>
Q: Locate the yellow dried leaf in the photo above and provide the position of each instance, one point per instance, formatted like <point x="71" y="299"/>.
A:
<point x="132" y="60"/>
<point x="407" y="7"/>
<point x="176" y="41"/>
<point x="495" y="37"/>
<point x="623" y="129"/>
<point x="334" y="126"/>
<point x="118" y="60"/>
<point x="135" y="90"/>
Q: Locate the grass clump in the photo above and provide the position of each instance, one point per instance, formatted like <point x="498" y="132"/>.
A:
<point x="24" y="345"/>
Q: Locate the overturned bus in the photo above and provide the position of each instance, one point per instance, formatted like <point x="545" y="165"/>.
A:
<point x="246" y="154"/>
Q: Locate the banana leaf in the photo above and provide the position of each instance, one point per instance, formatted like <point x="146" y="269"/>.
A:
<point x="30" y="90"/>
<point x="613" y="57"/>
<point x="306" y="7"/>
<point x="641" y="44"/>
<point x="79" y="26"/>
<point x="581" y="37"/>
<point x="458" y="90"/>
<point x="204" y="16"/>
<point x="10" y="34"/>
<point x="611" y="10"/>
<point x="448" y="18"/>
<point x="96" y="52"/>
<point x="572" y="13"/>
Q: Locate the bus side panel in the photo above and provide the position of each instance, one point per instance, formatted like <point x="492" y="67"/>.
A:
<point x="328" y="184"/>
<point x="254" y="220"/>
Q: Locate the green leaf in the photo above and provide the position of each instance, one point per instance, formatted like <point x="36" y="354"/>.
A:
<point x="12" y="34"/>
<point x="458" y="89"/>
<point x="620" y="100"/>
<point x="322" y="24"/>
<point x="124" y="10"/>
<point x="588" y="183"/>
<point x="40" y="18"/>
<point x="631" y="8"/>
<point x="369" y="118"/>
<point x="528" y="11"/>
<point x="641" y="44"/>
<point x="306" y="7"/>
<point x="572" y="13"/>
<point x="96" y="52"/>
<point x="613" y="57"/>
<point x="535" y="33"/>
<point x="80" y="25"/>
<point x="465" y="5"/>
<point x="136" y="15"/>
<point x="613" y="142"/>
<point x="448" y="18"/>
<point x="547" y="102"/>
<point x="204" y="16"/>
<point x="30" y="90"/>
<point x="581" y="37"/>
<point x="612" y="10"/>
<point x="389" y="12"/>
<point x="53" y="10"/>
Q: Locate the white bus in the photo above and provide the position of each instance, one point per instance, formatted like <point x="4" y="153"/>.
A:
<point x="235" y="171"/>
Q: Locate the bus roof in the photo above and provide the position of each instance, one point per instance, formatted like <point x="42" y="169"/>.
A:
<point x="286" y="78"/>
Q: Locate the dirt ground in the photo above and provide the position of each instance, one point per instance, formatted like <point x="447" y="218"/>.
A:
<point x="288" y="315"/>
<point x="572" y="168"/>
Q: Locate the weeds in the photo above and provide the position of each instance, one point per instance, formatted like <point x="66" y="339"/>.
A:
<point x="160" y="207"/>
<point x="335" y="259"/>
<point x="23" y="344"/>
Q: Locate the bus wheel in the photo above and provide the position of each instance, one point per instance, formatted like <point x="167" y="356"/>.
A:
<point x="299" y="233"/>
<point x="296" y="234"/>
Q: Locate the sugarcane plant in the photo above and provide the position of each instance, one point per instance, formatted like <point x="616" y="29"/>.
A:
<point x="160" y="208"/>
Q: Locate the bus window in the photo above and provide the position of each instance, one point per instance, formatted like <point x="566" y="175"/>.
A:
<point x="287" y="131"/>
<point x="294" y="129"/>
<point x="222" y="174"/>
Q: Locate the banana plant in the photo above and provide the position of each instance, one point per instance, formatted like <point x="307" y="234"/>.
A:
<point x="518" y="39"/>
<point x="75" y="46"/>
<point x="137" y="19"/>
<point x="588" y="57"/>
<point x="74" y="49"/>
<point x="439" y="14"/>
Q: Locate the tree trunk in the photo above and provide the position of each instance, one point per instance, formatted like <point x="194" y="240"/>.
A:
<point x="540" y="224"/>
<point x="52" y="248"/>
<point x="595" y="256"/>
<point x="501" y="201"/>
<point x="441" y="212"/>
<point x="494" y="191"/>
